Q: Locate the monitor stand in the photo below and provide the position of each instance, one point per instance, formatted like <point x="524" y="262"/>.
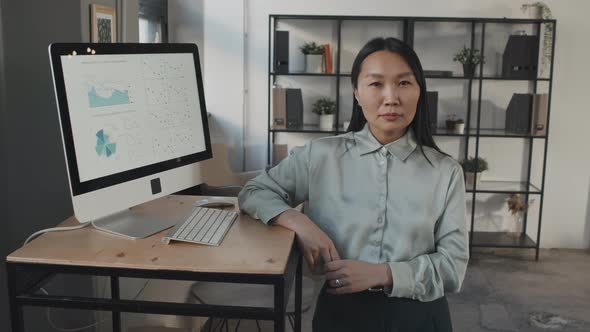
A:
<point x="130" y="224"/>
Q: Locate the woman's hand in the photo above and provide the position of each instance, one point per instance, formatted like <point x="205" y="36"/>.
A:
<point x="356" y="276"/>
<point x="314" y="243"/>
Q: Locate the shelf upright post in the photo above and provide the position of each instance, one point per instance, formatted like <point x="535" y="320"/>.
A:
<point x="483" y="37"/>
<point x="554" y="35"/>
<point x="409" y="31"/>
<point x="530" y="138"/>
<point x="271" y="28"/>
<point x="337" y="66"/>
<point x="469" y="88"/>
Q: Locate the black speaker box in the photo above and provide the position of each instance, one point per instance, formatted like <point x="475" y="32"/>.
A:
<point x="520" y="57"/>
<point x="518" y="114"/>
<point x="281" y="62"/>
<point x="294" y="110"/>
<point x="432" y="100"/>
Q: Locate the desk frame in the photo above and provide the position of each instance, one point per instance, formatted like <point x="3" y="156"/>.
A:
<point x="25" y="279"/>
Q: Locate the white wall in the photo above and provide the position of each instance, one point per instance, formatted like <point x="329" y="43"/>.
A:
<point x="566" y="213"/>
<point x="185" y="23"/>
<point x="224" y="74"/>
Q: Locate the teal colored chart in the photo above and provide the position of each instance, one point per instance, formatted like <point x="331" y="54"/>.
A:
<point x="117" y="97"/>
<point x="104" y="146"/>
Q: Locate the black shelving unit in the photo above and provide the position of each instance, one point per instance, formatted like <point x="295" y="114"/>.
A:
<point x="471" y="135"/>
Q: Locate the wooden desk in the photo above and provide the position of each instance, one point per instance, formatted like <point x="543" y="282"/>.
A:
<point x="251" y="252"/>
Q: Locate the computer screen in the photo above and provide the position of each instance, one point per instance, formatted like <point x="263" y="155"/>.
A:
<point x="133" y="122"/>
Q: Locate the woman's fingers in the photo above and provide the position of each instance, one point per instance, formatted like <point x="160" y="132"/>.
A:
<point x="310" y="260"/>
<point x="334" y="253"/>
<point x="325" y="252"/>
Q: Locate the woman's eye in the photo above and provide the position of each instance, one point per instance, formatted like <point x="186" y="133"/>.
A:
<point x="404" y="83"/>
<point x="375" y="84"/>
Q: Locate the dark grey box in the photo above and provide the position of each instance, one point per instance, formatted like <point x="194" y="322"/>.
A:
<point x="294" y="112"/>
<point x="281" y="62"/>
<point x="518" y="114"/>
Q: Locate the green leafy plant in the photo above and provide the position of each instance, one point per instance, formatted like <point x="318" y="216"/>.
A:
<point x="474" y="165"/>
<point x="324" y="106"/>
<point x="311" y="48"/>
<point x="469" y="56"/>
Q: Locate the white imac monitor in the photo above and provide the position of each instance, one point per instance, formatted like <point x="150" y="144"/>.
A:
<point x="134" y="126"/>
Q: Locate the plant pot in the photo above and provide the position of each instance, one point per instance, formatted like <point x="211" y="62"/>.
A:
<point x="470" y="176"/>
<point x="327" y="121"/>
<point x="468" y="69"/>
<point x="515" y="226"/>
<point x="313" y="63"/>
<point x="459" y="128"/>
<point x="450" y="124"/>
<point x="535" y="12"/>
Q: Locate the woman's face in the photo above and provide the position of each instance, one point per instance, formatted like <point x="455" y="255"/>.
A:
<point x="388" y="93"/>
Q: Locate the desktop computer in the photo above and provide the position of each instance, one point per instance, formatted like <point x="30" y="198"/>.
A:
<point x="134" y="127"/>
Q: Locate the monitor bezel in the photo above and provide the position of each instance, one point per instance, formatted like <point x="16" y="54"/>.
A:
<point x="82" y="187"/>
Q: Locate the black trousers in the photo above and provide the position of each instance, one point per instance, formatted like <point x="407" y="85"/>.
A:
<point x="375" y="312"/>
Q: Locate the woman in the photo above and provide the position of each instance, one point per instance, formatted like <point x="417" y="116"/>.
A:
<point x="386" y="208"/>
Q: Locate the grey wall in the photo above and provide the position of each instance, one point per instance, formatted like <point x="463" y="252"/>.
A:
<point x="3" y="203"/>
<point x="34" y="189"/>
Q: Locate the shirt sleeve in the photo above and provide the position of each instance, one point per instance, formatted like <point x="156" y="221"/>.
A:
<point x="428" y="276"/>
<point x="278" y="189"/>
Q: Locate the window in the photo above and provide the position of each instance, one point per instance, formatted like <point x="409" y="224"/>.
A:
<point x="153" y="21"/>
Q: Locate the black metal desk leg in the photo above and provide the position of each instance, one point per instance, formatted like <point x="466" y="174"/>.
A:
<point x="280" y="307"/>
<point x="115" y="296"/>
<point x="298" y="290"/>
<point x="16" y="310"/>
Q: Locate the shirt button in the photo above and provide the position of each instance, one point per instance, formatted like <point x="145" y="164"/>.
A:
<point x="379" y="220"/>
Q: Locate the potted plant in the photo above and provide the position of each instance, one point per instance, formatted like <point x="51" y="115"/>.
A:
<point x="470" y="58"/>
<point x="473" y="167"/>
<point x="314" y="55"/>
<point x="450" y="122"/>
<point x="459" y="126"/>
<point x="325" y="108"/>
<point x="517" y="209"/>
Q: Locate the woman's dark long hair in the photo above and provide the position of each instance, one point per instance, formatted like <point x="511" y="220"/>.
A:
<point x="421" y="122"/>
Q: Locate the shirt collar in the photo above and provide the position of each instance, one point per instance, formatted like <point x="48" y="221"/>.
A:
<point x="401" y="148"/>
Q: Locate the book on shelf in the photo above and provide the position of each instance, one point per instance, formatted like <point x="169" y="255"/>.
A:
<point x="279" y="108"/>
<point x="287" y="108"/>
<point x="328" y="59"/>
<point x="527" y="113"/>
<point x="539" y="114"/>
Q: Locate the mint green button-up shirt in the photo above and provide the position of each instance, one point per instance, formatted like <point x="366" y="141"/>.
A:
<point x="378" y="204"/>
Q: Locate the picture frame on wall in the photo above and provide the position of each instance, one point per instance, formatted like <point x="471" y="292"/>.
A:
<point x="103" y="24"/>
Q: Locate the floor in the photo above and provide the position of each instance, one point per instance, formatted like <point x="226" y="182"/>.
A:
<point x="506" y="290"/>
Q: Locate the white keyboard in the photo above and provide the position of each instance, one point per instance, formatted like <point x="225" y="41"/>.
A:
<point x="203" y="226"/>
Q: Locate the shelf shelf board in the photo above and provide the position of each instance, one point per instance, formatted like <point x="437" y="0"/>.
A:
<point x="458" y="77"/>
<point x="501" y="240"/>
<point x="504" y="187"/>
<point x="446" y="132"/>
<point x="306" y="129"/>
<point x="413" y="18"/>
<point x="496" y="78"/>
<point x="302" y="74"/>
<point x="484" y="133"/>
<point x="501" y="133"/>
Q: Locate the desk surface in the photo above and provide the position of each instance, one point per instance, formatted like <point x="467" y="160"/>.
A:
<point x="248" y="247"/>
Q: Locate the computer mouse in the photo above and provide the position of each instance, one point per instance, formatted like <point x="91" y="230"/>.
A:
<point x="214" y="202"/>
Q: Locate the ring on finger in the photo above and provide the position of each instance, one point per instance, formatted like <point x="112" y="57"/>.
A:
<point x="338" y="284"/>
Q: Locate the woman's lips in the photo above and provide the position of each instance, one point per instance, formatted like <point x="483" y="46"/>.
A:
<point x="391" y="116"/>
